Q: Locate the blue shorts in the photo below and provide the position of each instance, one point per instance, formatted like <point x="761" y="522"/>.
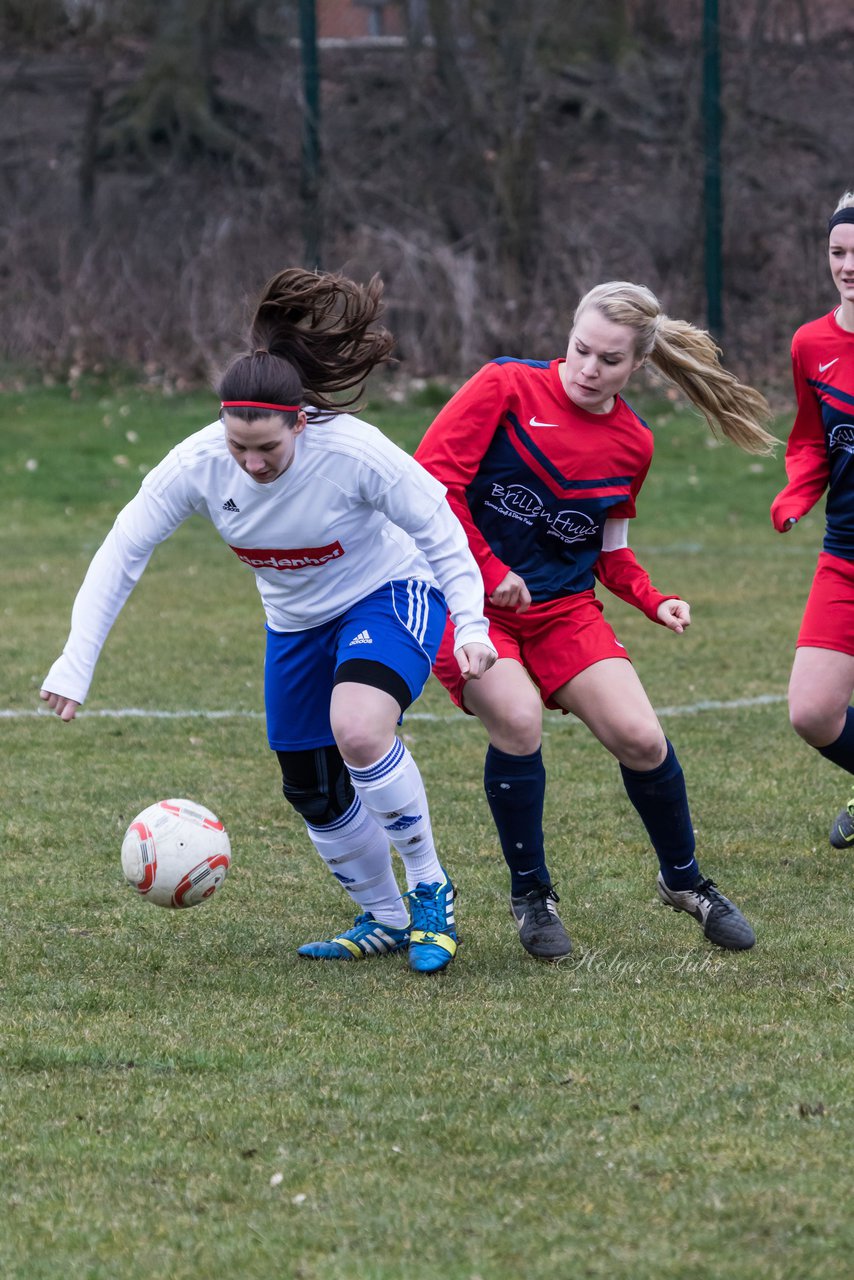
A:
<point x="399" y="625"/>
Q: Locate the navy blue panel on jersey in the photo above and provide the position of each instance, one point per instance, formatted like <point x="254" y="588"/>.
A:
<point x="552" y="541"/>
<point x="838" y="421"/>
<point x="532" y="364"/>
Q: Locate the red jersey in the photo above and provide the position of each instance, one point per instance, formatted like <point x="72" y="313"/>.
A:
<point x="820" y="450"/>
<point x="533" y="478"/>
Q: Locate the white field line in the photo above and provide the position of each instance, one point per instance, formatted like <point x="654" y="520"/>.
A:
<point x="141" y="713"/>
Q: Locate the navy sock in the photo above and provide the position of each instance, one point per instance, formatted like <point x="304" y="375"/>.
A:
<point x="841" y="751"/>
<point x="660" y="798"/>
<point x="515" y="791"/>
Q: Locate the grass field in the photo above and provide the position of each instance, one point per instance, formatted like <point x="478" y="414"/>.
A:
<point x="183" y="1099"/>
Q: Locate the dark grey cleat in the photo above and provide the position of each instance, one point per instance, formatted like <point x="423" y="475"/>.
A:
<point x="723" y="924"/>
<point x="842" y="831"/>
<point x="541" y="930"/>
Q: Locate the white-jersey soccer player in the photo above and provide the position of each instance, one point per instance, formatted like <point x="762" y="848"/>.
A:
<point x="358" y="559"/>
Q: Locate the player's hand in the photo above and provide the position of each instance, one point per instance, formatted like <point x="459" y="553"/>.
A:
<point x="474" y="659"/>
<point x="789" y="524"/>
<point x="65" y="708"/>
<point x="511" y="593"/>
<point x="675" y="615"/>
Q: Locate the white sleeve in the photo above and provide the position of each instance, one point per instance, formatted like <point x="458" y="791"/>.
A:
<point x="113" y="573"/>
<point x="394" y="483"/>
<point x="615" y="535"/>
<point x="445" y="545"/>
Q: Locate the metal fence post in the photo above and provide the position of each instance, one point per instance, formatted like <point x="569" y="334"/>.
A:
<point x="712" y="167"/>
<point x="312" y="230"/>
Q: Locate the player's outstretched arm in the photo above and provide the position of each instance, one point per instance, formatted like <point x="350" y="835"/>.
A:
<point x="65" y="708"/>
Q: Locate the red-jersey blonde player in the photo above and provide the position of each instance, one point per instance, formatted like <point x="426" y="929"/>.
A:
<point x="819" y="457"/>
<point x="543" y="462"/>
<point x="355" y="552"/>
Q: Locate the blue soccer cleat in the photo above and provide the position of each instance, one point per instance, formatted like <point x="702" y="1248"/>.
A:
<point x="368" y="937"/>
<point x="433" y="936"/>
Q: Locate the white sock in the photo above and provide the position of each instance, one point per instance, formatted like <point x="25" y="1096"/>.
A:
<point x="393" y="793"/>
<point x="356" y="851"/>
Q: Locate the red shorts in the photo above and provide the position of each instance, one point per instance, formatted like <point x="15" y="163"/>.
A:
<point x="553" y="642"/>
<point x="828" y="621"/>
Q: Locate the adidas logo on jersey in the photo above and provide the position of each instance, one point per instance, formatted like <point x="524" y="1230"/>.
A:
<point x="230" y="505"/>
<point x="362" y="638"/>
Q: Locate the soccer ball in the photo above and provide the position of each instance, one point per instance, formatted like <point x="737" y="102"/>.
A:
<point x="176" y="853"/>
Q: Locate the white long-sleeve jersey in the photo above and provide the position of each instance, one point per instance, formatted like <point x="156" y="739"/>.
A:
<point x="351" y="512"/>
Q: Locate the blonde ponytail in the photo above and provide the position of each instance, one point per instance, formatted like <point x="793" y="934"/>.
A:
<point x="689" y="358"/>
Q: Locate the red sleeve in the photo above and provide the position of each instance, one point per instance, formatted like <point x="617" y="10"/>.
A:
<point x="806" y="455"/>
<point x="452" y="450"/>
<point x="627" y="509"/>
<point x="620" y="572"/>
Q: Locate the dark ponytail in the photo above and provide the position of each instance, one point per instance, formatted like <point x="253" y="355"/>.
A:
<point x="325" y="327"/>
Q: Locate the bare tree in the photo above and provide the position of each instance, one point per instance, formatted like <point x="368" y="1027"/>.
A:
<point x="488" y="62"/>
<point x="173" y="110"/>
<point x="32" y="20"/>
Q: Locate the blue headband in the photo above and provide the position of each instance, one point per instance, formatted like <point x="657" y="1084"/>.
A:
<point x="841" y="215"/>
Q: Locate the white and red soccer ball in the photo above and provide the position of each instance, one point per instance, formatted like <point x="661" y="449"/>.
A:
<point x="176" y="853"/>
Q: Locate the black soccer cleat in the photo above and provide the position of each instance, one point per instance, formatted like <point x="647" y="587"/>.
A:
<point x="541" y="930"/>
<point x="722" y="922"/>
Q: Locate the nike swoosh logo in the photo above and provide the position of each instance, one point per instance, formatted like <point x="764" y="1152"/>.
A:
<point x="822" y="367"/>
<point x="535" y="423"/>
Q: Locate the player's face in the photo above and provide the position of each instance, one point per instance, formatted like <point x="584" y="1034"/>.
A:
<point x="599" y="361"/>
<point x="841" y="254"/>
<point x="264" y="449"/>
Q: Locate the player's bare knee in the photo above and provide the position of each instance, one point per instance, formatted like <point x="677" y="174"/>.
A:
<point x="520" y="728"/>
<point x="642" y="748"/>
<point x="361" y="744"/>
<point x="514" y="726"/>
<point x="818" y="725"/>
